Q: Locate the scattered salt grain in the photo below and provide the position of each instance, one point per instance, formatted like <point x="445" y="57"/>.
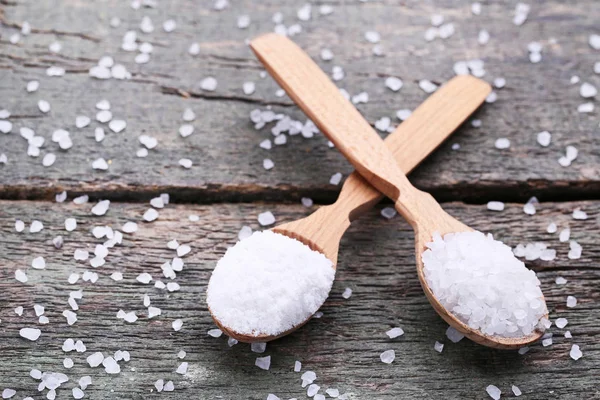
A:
<point x="427" y="86"/>
<point x="70" y="224"/>
<point x="70" y="316"/>
<point x="277" y="267"/>
<point x="568" y="335"/>
<point x="32" y="86"/>
<point x="19" y="225"/>
<point x="268" y="164"/>
<point x="454" y="335"/>
<point x="495" y="206"/>
<point x="266" y="218"/>
<point x="263" y="362"/>
<point x="8" y="393"/>
<point x="144" y="277"/>
<point x="335" y="178"/>
<point x="111" y="366"/>
<point x="182" y="369"/>
<point x="186" y="130"/>
<point x="36" y="226"/>
<point x="571" y="301"/>
<point x="564" y="235"/>
<point x="312" y="390"/>
<point x="393" y="83"/>
<point x="395" y="332"/>
<point x="209" y="84"/>
<point x="578" y="214"/>
<point x="245" y="232"/>
<point x="388" y="356"/>
<point x="587" y="90"/>
<point x="77" y="393"/>
<point x="117" y="125"/>
<point x="502" y="143"/>
<point x="307" y="378"/>
<point x="575" y="352"/>
<point x="543" y="138"/>
<point x="523" y="350"/>
<point x="30" y="333"/>
<point x="297" y="366"/>
<point x="347" y="293"/>
<point x="38" y="263"/>
<point x="561" y="322"/>
<point x="150" y="215"/>
<point x="438" y="347"/>
<point x="388" y="212"/>
<point x="44" y="106"/>
<point x="493" y="392"/>
<point x="585" y="108"/>
<point x="100" y="163"/>
<point x="101" y="207"/>
<point x="258" y="347"/>
<point x="529" y="209"/>
<point x="177" y="324"/>
<point x="20" y="276"/>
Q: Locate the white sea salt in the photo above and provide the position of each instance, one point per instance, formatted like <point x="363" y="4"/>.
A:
<point x="439" y="347"/>
<point x="495" y="206"/>
<point x="186" y="130"/>
<point x="502" y="143"/>
<point x="393" y="83"/>
<point x="36" y="226"/>
<point x="560" y="280"/>
<point x="575" y="352"/>
<point x="38" y="263"/>
<point x="493" y="392"/>
<point x="571" y="301"/>
<point x="387" y="356"/>
<point x="209" y="84"/>
<point x="543" y="138"/>
<point x="266" y="218"/>
<point x="30" y="333"/>
<point x="8" y="393"/>
<point x="150" y="215"/>
<point x="388" y="212"/>
<point x="335" y="179"/>
<point x="461" y="267"/>
<point x="347" y="293"/>
<point x="70" y="316"/>
<point x="564" y="235"/>
<point x="178" y="324"/>
<point x="579" y="214"/>
<point x="587" y="90"/>
<point x="101" y="207"/>
<point x="561" y="322"/>
<point x="268" y="266"/>
<point x="263" y="362"/>
<point x="395" y="332"/>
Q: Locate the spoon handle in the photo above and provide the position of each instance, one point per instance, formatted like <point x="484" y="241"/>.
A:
<point x="335" y="116"/>
<point x="414" y="139"/>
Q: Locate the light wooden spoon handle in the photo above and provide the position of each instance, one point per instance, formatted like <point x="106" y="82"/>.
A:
<point x="411" y="142"/>
<point x="335" y="116"/>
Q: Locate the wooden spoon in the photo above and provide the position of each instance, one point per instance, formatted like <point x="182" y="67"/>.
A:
<point x="337" y="118"/>
<point x="428" y="126"/>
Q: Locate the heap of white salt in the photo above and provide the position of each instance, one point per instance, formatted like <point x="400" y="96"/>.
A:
<point x="268" y="283"/>
<point x="479" y="280"/>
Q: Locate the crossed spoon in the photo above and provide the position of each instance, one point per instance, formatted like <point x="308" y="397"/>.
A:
<point x="378" y="164"/>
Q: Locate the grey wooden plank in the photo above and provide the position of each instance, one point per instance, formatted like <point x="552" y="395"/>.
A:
<point x="343" y="347"/>
<point x="224" y="148"/>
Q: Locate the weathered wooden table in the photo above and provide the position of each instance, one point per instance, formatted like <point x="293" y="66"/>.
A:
<point x="227" y="187"/>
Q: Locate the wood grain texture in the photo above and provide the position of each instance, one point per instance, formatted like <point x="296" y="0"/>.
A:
<point x="342" y="347"/>
<point x="224" y="147"/>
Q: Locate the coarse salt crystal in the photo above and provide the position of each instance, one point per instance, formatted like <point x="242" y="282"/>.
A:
<point x="395" y="332"/>
<point x="543" y="138"/>
<point x="393" y="83"/>
<point x="495" y="206"/>
<point x="387" y="356"/>
<point x="266" y="218"/>
<point x="38" y="263"/>
<point x="388" y="212"/>
<point x="335" y="179"/>
<point x="571" y="301"/>
<point x="30" y="333"/>
<point x="502" y="143"/>
<point x="177" y="324"/>
<point x="561" y="322"/>
<point x="493" y="392"/>
<point x="438" y="347"/>
<point x="575" y="352"/>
